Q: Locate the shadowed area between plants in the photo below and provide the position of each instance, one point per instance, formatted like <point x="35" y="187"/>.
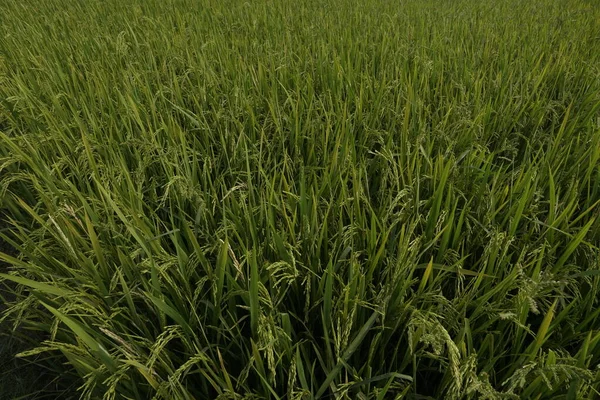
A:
<point x="22" y="378"/>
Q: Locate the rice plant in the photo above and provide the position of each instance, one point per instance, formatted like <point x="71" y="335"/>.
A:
<point x="303" y="199"/>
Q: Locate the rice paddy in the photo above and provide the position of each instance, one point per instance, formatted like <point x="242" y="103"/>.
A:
<point x="301" y="199"/>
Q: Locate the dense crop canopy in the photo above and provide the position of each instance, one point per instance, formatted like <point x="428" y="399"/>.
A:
<point x="303" y="199"/>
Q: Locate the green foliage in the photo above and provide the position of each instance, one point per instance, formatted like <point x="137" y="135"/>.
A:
<point x="304" y="199"/>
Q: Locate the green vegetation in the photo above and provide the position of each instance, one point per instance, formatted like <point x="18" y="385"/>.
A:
<point x="303" y="199"/>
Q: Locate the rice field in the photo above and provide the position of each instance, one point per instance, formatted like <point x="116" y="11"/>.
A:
<point x="277" y="199"/>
